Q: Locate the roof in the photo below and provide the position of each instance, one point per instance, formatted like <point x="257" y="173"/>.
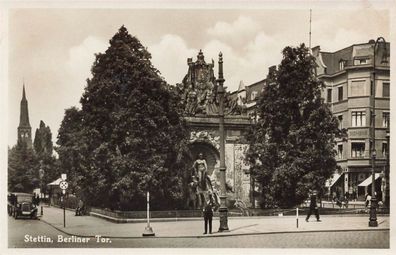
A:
<point x="348" y="54"/>
<point x="331" y="60"/>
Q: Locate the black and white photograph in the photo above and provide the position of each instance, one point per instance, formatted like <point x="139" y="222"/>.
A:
<point x="196" y="125"/>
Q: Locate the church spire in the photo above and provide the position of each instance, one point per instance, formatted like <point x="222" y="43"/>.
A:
<point x="24" y="128"/>
<point x="23" y="92"/>
<point x="24" y="116"/>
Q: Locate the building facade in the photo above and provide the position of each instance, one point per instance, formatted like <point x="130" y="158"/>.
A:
<point x="349" y="80"/>
<point x="348" y="75"/>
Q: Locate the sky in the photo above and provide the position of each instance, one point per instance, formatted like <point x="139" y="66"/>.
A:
<point x="51" y="51"/>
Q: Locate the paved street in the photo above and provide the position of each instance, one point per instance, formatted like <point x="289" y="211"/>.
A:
<point x="259" y="232"/>
<point x="350" y="239"/>
<point x="88" y="225"/>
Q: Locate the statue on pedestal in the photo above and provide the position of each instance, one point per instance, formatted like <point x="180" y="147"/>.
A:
<point x="201" y="185"/>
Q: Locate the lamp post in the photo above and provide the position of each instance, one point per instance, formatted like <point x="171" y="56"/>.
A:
<point x="373" y="209"/>
<point x="387" y="204"/>
<point x="223" y="210"/>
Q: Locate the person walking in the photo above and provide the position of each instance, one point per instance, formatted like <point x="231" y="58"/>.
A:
<point x="208" y="215"/>
<point x="313" y="207"/>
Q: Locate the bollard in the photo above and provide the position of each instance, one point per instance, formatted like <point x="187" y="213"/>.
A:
<point x="297" y="217"/>
<point x="41" y="211"/>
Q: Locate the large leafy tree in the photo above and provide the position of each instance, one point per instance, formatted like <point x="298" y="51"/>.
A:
<point x="128" y="138"/>
<point x="43" y="148"/>
<point x="22" y="169"/>
<point x="73" y="156"/>
<point x="43" y="140"/>
<point x="292" y="144"/>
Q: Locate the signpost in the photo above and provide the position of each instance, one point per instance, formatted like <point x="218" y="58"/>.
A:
<point x="148" y="231"/>
<point x="63" y="186"/>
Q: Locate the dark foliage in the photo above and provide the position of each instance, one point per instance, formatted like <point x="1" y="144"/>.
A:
<point x="292" y="143"/>
<point x="128" y="138"/>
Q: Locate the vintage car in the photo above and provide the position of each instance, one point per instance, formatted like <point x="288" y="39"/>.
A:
<point x="21" y="205"/>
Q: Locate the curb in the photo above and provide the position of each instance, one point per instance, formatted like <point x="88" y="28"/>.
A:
<point x="220" y="235"/>
<point x="143" y="220"/>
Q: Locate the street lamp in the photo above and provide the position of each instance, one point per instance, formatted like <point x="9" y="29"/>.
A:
<point x="41" y="176"/>
<point x="387" y="204"/>
<point x="373" y="209"/>
<point x="223" y="210"/>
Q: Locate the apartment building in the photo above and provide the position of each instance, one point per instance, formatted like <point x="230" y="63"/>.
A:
<point x="349" y="78"/>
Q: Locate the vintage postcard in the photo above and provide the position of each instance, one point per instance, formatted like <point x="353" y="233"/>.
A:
<point x="196" y="125"/>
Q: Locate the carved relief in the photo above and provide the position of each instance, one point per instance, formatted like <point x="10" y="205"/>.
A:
<point x="205" y="136"/>
<point x="198" y="91"/>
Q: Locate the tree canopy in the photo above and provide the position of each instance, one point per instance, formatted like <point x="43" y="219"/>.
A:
<point x="292" y="144"/>
<point x="22" y="169"/>
<point x="128" y="137"/>
<point x="43" y="140"/>
<point x="30" y="168"/>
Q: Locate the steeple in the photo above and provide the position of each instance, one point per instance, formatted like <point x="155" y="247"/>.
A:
<point x="24" y="116"/>
<point x="24" y="128"/>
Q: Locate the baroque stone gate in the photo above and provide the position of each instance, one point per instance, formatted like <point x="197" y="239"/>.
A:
<point x="199" y="97"/>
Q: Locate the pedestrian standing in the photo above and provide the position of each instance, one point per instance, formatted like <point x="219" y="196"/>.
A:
<point x="313" y="207"/>
<point x="354" y="194"/>
<point x="208" y="215"/>
<point x="346" y="195"/>
<point x="80" y="208"/>
<point x="368" y="200"/>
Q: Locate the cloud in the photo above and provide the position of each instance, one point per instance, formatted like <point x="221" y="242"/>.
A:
<point x="78" y="66"/>
<point x="240" y="27"/>
<point x="72" y="80"/>
<point x="169" y="56"/>
<point x="236" y="32"/>
<point x="82" y="56"/>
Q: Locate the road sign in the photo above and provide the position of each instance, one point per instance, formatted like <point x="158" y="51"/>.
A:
<point x="63" y="185"/>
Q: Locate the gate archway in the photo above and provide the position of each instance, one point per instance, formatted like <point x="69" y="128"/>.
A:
<point x="210" y="153"/>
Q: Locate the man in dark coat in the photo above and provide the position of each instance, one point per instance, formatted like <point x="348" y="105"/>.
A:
<point x="208" y="215"/>
<point x="313" y="207"/>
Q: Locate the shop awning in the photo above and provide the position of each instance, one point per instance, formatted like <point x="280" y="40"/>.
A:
<point x="367" y="182"/>
<point x="330" y="182"/>
<point x="55" y="183"/>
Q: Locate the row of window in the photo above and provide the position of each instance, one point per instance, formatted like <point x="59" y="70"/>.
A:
<point x="357" y="61"/>
<point x="358" y="119"/>
<point x="358" y="150"/>
<point x="358" y="88"/>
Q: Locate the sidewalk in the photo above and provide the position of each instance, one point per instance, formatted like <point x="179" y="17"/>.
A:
<point x="91" y="226"/>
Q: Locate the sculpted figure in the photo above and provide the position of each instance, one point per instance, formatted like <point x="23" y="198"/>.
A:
<point x="211" y="106"/>
<point x="201" y="169"/>
<point x="191" y="106"/>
